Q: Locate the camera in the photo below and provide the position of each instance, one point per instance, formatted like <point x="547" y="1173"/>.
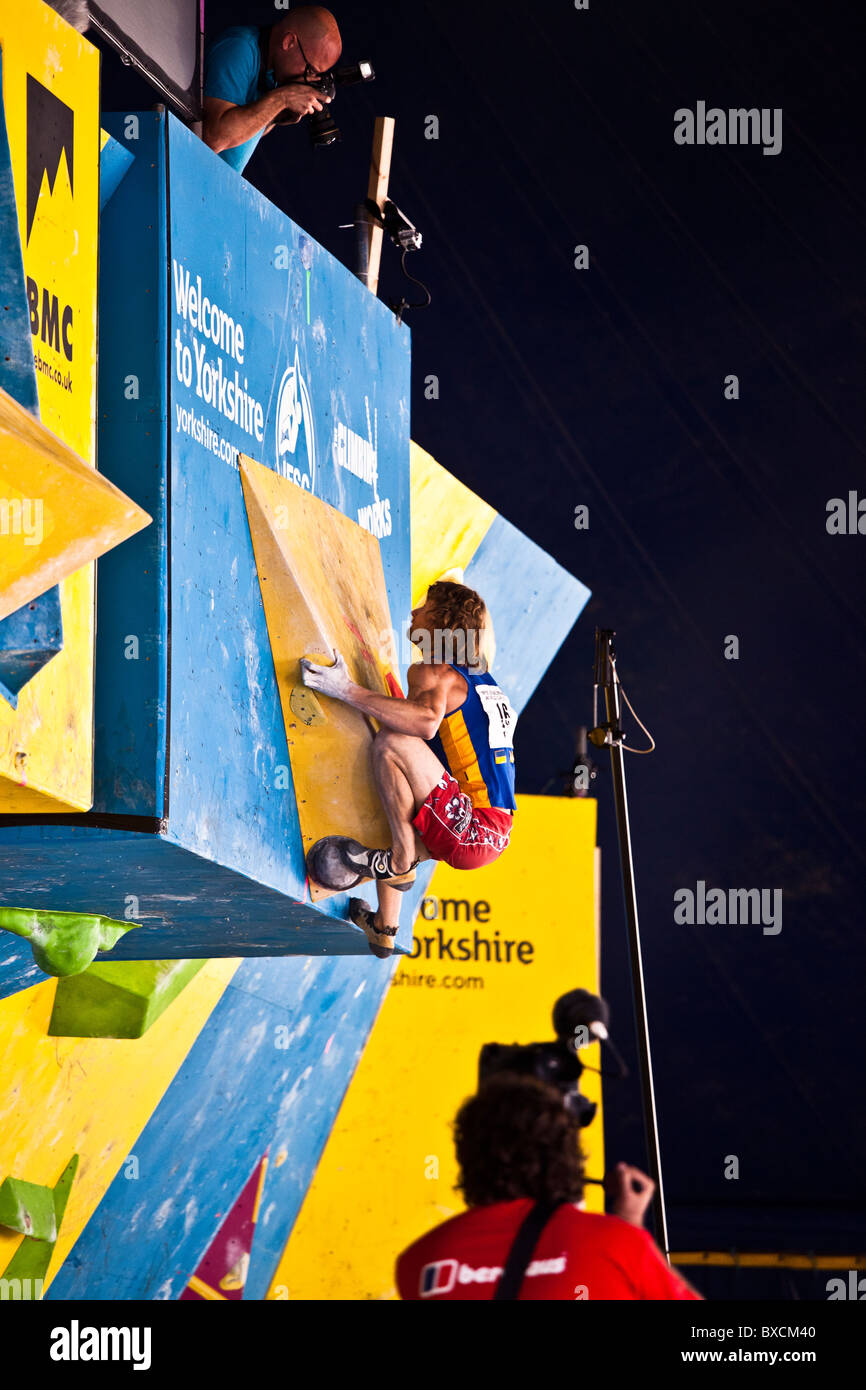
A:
<point x="578" y="1018"/>
<point x="323" y="130"/>
<point x="322" y="127"/>
<point x="403" y="233"/>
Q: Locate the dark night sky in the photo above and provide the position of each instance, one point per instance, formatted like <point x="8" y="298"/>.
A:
<point x="707" y="516"/>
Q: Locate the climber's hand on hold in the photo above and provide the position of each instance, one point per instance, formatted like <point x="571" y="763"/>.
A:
<point x="330" y="680"/>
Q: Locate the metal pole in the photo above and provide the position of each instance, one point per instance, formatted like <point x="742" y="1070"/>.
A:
<point x="605" y="676"/>
<point x="362" y="242"/>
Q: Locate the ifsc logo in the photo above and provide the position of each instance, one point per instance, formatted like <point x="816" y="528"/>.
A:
<point x="295" y="429"/>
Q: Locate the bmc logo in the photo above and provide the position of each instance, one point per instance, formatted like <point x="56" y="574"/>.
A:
<point x="51" y="325"/>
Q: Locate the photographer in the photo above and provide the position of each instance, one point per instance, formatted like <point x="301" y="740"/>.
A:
<point x="517" y="1144"/>
<point x="256" y="77"/>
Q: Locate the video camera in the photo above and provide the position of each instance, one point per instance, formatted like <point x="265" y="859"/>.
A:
<point x="579" y="1018"/>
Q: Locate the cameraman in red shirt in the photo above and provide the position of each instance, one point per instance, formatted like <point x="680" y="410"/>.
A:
<point x="517" y="1145"/>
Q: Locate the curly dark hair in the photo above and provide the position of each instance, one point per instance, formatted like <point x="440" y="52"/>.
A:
<point x="456" y="606"/>
<point x="515" y="1138"/>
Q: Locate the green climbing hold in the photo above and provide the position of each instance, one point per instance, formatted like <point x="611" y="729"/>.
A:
<point x="118" y="999"/>
<point x="29" y="1208"/>
<point x="63" y="943"/>
<point x="24" y="1276"/>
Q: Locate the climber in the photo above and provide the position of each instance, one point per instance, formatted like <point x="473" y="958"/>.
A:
<point x="443" y="761"/>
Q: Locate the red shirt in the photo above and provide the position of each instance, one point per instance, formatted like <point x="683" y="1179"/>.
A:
<point x="580" y="1256"/>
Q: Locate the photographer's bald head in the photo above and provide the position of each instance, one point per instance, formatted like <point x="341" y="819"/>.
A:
<point x="308" y="35"/>
<point x="256" y="78"/>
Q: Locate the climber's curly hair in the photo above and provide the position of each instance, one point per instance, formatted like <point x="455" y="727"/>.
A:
<point x="456" y="609"/>
<point x="456" y="606"/>
<point x="515" y="1138"/>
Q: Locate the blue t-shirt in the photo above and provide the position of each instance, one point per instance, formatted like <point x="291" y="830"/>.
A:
<point x="231" y="73"/>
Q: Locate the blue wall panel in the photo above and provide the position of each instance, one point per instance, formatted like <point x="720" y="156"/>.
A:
<point x="132" y="587"/>
<point x="187" y="906"/>
<point x="29" y="638"/>
<point x="319" y="356"/>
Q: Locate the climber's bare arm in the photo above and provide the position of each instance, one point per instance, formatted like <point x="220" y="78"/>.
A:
<point x="420" y="715"/>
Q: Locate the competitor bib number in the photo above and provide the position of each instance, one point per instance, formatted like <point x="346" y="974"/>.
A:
<point x="501" y="715"/>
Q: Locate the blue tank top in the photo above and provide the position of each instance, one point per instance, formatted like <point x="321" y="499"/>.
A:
<point x="476" y="742"/>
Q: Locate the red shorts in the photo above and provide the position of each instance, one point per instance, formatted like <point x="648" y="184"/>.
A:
<point x="463" y="835"/>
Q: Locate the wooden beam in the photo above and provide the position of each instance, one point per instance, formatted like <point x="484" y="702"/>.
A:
<point x="377" y="192"/>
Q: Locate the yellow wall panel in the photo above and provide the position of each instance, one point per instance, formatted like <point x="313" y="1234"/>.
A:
<point x="60" y="251"/>
<point x="46" y="746"/>
<point x="46" y="755"/>
<point x="323" y="587"/>
<point x="449" y="522"/>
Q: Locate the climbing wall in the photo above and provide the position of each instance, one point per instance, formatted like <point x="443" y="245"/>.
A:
<point x="219" y="338"/>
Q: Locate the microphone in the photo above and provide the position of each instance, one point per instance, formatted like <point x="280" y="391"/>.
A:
<point x="580" y="1009"/>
